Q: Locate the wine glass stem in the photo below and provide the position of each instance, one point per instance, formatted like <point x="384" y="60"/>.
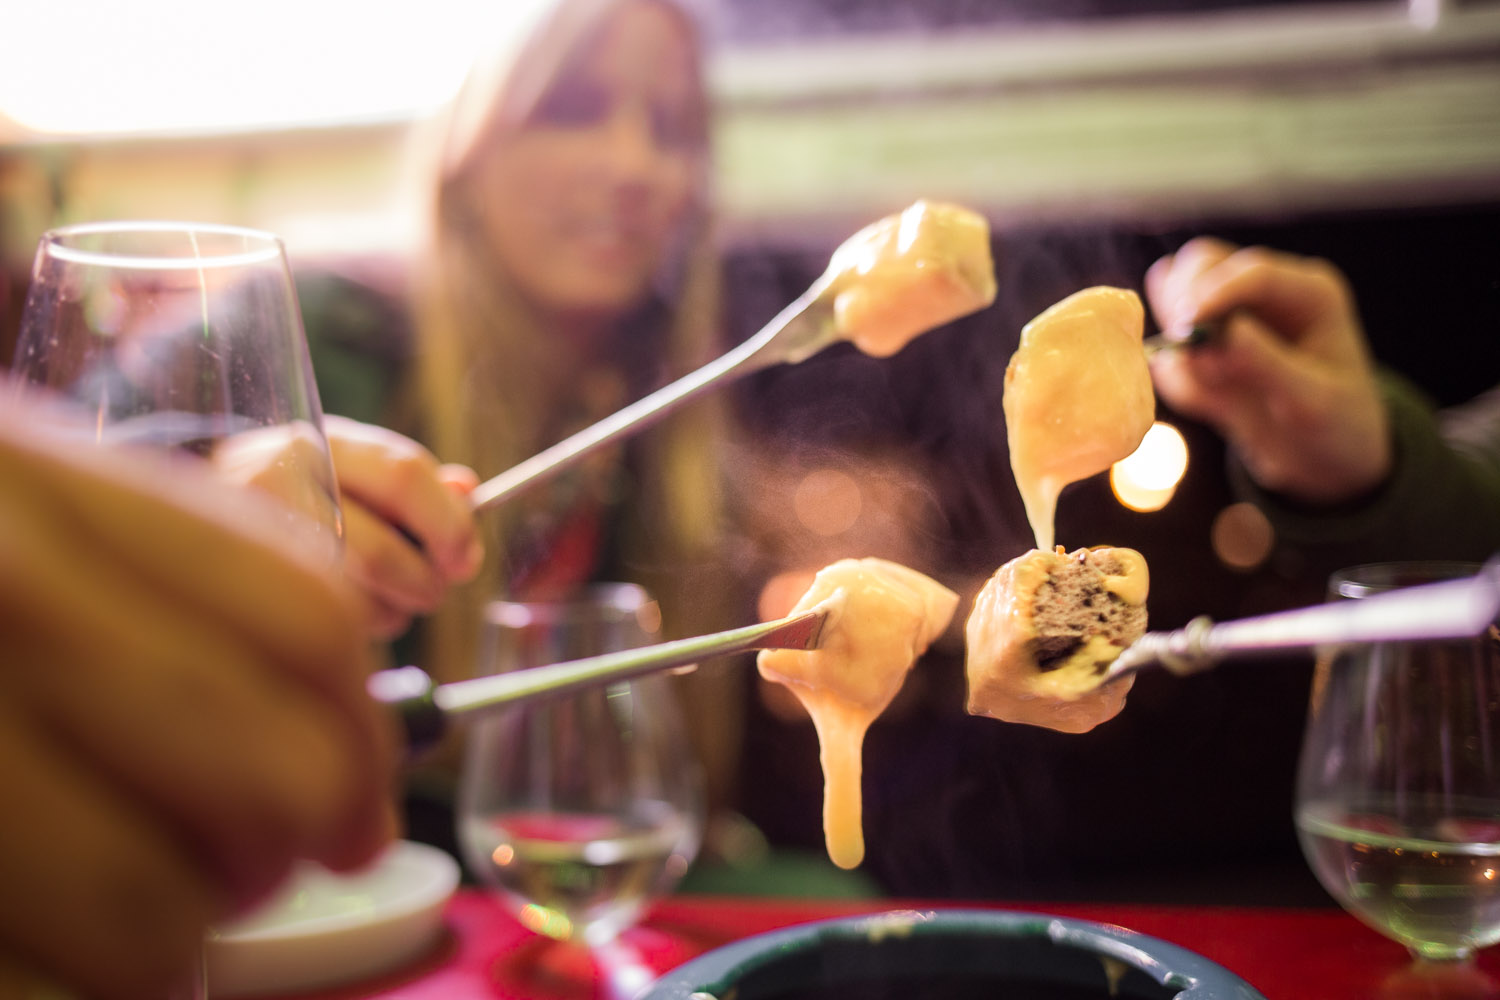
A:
<point x="194" y="982"/>
<point x="624" y="972"/>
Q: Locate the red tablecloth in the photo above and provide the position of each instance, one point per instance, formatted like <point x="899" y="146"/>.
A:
<point x="1287" y="954"/>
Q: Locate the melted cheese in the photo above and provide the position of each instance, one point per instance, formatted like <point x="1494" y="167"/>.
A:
<point x="908" y="273"/>
<point x="883" y="617"/>
<point x="1078" y="397"/>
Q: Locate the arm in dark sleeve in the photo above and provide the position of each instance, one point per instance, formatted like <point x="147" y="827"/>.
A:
<point x="1441" y="501"/>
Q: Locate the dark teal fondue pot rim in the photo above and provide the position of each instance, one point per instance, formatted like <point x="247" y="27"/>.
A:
<point x="714" y="974"/>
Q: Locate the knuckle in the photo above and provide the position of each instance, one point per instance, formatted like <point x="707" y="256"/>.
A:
<point x="1254" y="258"/>
<point x="1329" y="275"/>
<point x="1204" y="246"/>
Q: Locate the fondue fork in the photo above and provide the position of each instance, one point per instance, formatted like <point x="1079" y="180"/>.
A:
<point x="805" y="327"/>
<point x="426" y="708"/>
<point x="1451" y="609"/>
<point x="1199" y="334"/>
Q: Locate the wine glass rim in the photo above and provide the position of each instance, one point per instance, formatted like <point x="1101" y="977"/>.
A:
<point x="1376" y="578"/>
<point x="623" y="598"/>
<point x="261" y="246"/>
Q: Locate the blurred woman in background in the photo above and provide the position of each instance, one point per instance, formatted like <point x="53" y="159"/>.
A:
<point x="568" y="271"/>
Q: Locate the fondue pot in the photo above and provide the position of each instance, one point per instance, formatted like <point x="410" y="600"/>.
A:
<point x="951" y="954"/>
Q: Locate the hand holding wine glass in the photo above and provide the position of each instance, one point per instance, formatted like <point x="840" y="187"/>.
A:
<point x="188" y="672"/>
<point x="184" y="339"/>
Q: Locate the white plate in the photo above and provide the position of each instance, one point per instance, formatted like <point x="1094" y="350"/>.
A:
<point x="322" y="928"/>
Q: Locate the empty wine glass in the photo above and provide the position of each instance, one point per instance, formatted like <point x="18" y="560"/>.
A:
<point x="1398" y="792"/>
<point x="577" y="812"/>
<point x="183" y="338"/>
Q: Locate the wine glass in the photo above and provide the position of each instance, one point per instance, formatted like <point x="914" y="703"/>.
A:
<point x="1398" y="790"/>
<point x="578" y="811"/>
<point x="187" y="339"/>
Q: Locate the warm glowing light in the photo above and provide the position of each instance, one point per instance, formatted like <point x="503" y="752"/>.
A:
<point x="1489" y="873"/>
<point x="503" y="855"/>
<point x="827" y="502"/>
<point x="1242" y="537"/>
<point x="172" y="66"/>
<point x="782" y="591"/>
<point x="1147" y="478"/>
<point x="545" y="920"/>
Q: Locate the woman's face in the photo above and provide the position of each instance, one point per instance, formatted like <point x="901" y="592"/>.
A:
<point x="581" y="201"/>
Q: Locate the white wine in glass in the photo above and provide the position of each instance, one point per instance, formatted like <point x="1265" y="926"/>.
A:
<point x="578" y="812"/>
<point x="187" y="339"/>
<point x="1398" y="794"/>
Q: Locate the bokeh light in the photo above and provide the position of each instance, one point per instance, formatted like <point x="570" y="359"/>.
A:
<point x="827" y="502"/>
<point x="1148" y="477"/>
<point x="1242" y="537"/>
<point x="545" y="920"/>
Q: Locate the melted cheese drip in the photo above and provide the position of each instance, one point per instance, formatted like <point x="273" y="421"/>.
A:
<point x="908" y="273"/>
<point x="1004" y="680"/>
<point x="1134" y="580"/>
<point x="884" y="615"/>
<point x="1078" y="397"/>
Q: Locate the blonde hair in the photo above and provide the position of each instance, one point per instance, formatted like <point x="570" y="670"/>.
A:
<point x="491" y="378"/>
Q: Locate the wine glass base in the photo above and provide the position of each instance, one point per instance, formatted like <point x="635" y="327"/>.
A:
<point x="546" y="969"/>
<point x="1423" y="979"/>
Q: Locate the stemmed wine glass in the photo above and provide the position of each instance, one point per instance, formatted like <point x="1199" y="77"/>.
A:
<point x="577" y="812"/>
<point x="186" y="339"/>
<point x="1398" y="791"/>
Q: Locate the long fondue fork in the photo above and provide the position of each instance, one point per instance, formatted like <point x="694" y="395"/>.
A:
<point x="1451" y="609"/>
<point x="1185" y="338"/>
<point x="425" y="708"/>
<point x="799" y="331"/>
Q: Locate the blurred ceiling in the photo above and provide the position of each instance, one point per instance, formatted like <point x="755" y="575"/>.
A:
<point x="832" y="112"/>
<point x="762" y="21"/>
<point x="1243" y="110"/>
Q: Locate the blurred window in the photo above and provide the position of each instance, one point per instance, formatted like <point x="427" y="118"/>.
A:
<point x="788" y="20"/>
<point x="102" y="67"/>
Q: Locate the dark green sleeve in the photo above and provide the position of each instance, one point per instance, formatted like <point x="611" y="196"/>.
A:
<point x="1442" y="500"/>
<point x="360" y="344"/>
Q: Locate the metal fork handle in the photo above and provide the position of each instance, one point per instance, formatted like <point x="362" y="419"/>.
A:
<point x="797" y="332"/>
<point x="1203" y="333"/>
<point x="425" y="708"/>
<point x="1450" y="609"/>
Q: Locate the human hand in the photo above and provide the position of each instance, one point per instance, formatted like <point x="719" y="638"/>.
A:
<point x="1291" y="385"/>
<point x="394" y="491"/>
<point x="276" y="460"/>
<point x="182" y="712"/>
